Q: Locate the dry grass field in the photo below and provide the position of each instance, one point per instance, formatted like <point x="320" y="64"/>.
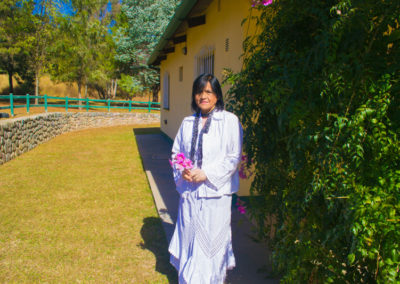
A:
<point x="78" y="209"/>
<point x="46" y="85"/>
<point x="50" y="88"/>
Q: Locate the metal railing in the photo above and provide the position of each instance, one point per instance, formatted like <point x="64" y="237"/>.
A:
<point x="75" y="103"/>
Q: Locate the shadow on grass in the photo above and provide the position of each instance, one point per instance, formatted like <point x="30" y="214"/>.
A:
<point x="155" y="241"/>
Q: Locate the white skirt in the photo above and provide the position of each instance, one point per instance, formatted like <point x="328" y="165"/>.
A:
<point x="201" y="247"/>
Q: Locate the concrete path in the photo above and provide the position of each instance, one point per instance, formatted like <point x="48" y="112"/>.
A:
<point x="250" y="256"/>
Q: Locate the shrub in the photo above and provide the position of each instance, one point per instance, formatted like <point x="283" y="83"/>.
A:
<point x="318" y="97"/>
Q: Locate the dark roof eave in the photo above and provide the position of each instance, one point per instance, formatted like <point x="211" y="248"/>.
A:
<point x="180" y="14"/>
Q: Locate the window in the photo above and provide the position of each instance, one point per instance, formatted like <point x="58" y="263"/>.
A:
<point x="166" y="91"/>
<point x="204" y="61"/>
<point x="180" y="73"/>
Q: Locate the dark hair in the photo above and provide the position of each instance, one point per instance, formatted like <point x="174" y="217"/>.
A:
<point x="200" y="83"/>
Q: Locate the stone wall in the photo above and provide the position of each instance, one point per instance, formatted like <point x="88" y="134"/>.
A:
<point x="20" y="135"/>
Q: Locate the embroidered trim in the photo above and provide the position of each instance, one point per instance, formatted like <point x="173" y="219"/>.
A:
<point x="210" y="247"/>
<point x="195" y="133"/>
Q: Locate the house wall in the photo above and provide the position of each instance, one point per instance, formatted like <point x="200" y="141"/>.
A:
<point x="223" y="20"/>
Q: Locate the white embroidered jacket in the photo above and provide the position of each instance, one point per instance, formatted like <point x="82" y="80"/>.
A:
<point x="222" y="149"/>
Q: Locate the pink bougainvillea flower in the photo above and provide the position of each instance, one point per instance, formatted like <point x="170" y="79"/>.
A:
<point x="244" y="169"/>
<point x="242" y="209"/>
<point x="259" y="2"/>
<point x="242" y="174"/>
<point x="267" y="2"/>
<point x="180" y="162"/>
<point x="179" y="167"/>
<point x="187" y="164"/>
<point x="240" y="206"/>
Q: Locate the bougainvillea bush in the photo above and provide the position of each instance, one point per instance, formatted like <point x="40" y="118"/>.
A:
<point x="319" y="99"/>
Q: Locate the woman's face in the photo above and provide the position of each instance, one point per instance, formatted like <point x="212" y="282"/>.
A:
<point x="207" y="99"/>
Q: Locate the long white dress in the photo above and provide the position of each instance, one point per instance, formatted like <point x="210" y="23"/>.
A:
<point x="201" y="246"/>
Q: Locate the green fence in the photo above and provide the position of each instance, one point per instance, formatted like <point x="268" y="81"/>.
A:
<point x="43" y="101"/>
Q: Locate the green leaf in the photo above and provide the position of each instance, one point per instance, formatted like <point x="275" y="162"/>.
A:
<point x="351" y="257"/>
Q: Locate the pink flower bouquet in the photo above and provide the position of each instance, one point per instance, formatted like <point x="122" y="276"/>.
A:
<point x="180" y="162"/>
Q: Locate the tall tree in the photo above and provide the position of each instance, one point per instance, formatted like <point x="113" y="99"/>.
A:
<point x="43" y="32"/>
<point x="16" y="30"/>
<point x="135" y="40"/>
<point x="80" y="45"/>
<point x="105" y="78"/>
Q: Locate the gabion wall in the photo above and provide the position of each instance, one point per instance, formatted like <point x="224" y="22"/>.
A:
<point x="20" y="135"/>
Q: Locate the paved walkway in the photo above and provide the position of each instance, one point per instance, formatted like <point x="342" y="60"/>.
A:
<point x="250" y="256"/>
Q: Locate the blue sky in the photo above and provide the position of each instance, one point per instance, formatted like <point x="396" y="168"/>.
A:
<point x="65" y="7"/>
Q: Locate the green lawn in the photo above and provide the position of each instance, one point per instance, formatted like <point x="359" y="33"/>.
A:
<point x="79" y="209"/>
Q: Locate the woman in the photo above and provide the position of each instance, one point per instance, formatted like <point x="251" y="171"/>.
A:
<point x="201" y="247"/>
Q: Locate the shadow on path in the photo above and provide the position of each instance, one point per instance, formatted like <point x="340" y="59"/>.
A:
<point x="155" y="150"/>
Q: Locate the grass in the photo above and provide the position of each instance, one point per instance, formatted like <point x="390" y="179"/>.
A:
<point x="79" y="209"/>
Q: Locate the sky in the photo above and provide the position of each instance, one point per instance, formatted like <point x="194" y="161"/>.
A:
<point x="65" y="7"/>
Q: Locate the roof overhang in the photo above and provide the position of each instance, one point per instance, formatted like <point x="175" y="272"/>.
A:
<point x="177" y="25"/>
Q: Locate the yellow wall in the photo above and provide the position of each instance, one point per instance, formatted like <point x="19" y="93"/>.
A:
<point x="220" y="25"/>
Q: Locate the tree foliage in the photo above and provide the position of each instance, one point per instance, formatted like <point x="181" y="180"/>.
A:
<point x="319" y="100"/>
<point x="16" y="37"/>
<point x="94" y="44"/>
<point x="74" y="47"/>
<point x="145" y="22"/>
<point x="40" y="38"/>
<point x="83" y="52"/>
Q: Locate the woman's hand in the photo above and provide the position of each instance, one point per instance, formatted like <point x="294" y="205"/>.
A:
<point x="198" y="175"/>
<point x="187" y="175"/>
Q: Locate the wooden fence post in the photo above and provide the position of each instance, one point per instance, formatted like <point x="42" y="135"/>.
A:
<point x="108" y="105"/>
<point x="130" y="105"/>
<point x="87" y="104"/>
